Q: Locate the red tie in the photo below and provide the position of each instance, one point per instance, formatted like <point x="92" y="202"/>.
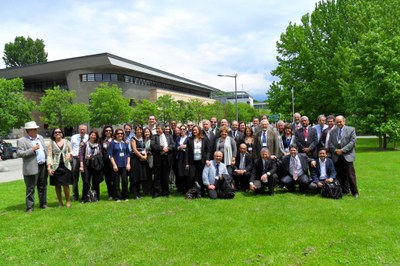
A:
<point x="306" y="133"/>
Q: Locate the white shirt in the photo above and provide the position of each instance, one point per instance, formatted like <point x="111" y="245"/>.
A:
<point x="76" y="143"/>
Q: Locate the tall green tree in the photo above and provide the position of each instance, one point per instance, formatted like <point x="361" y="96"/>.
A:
<point x="108" y="106"/>
<point x="142" y="111"/>
<point x="342" y="59"/>
<point x="57" y="109"/>
<point x="15" y="108"/>
<point x="24" y="52"/>
<point x="167" y="108"/>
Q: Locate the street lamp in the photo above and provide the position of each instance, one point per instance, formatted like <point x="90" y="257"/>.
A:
<point x="236" y="103"/>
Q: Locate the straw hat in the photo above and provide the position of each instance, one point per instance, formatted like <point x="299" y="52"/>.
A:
<point x="31" y="125"/>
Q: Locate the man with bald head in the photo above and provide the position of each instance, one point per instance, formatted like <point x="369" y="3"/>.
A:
<point x="342" y="143"/>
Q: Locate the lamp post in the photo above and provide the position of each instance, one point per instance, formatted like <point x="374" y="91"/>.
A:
<point x="236" y="103"/>
<point x="293" y="104"/>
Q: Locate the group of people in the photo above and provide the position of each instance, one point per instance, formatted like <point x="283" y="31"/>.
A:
<point x="215" y="158"/>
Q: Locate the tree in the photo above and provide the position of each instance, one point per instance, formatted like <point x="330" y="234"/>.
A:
<point x="167" y="108"/>
<point x="24" y="52"/>
<point x="15" y="108"/>
<point x="58" y="111"/>
<point x="108" y="106"/>
<point x="341" y="59"/>
<point x="142" y="111"/>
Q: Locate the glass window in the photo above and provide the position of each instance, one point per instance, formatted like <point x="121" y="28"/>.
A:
<point x="90" y="77"/>
<point x="98" y="77"/>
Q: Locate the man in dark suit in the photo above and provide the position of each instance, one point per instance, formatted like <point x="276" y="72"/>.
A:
<point x="235" y="133"/>
<point x="341" y="144"/>
<point x="296" y="122"/>
<point x="163" y="147"/>
<point x="241" y="170"/>
<point x="214" y="127"/>
<point x="264" y="173"/>
<point x="323" y="172"/>
<point x="207" y="132"/>
<point x="295" y="169"/>
<point x="307" y="138"/>
<point x="324" y="140"/>
<point x="266" y="138"/>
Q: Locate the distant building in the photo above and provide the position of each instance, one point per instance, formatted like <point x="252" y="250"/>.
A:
<point x="260" y="105"/>
<point x="84" y="74"/>
<point x="242" y="97"/>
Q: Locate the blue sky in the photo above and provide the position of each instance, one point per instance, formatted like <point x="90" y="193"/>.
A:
<point x="193" y="39"/>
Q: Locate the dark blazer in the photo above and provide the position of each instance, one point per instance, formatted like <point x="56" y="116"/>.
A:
<point x="258" y="169"/>
<point x="272" y="143"/>
<point x="211" y="139"/>
<point x="239" y="138"/>
<point x="324" y="135"/>
<point x="248" y="162"/>
<point x="312" y="141"/>
<point x="180" y="156"/>
<point x="330" y="170"/>
<point x="157" y="149"/>
<point x="348" y="142"/>
<point x="216" y="134"/>
<point x="205" y="150"/>
<point x="304" y="160"/>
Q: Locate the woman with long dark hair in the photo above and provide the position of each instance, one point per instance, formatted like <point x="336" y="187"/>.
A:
<point x="181" y="173"/>
<point x="198" y="153"/>
<point x="105" y="140"/>
<point x="118" y="151"/>
<point x="146" y="185"/>
<point x="90" y="156"/>
<point x="59" y="165"/>
<point x="138" y="161"/>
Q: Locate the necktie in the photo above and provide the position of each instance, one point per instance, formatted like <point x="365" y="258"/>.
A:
<point x="241" y="166"/>
<point x="265" y="166"/>
<point x="264" y="137"/>
<point x="340" y="133"/>
<point x="294" y="169"/>
<point x="306" y="133"/>
<point x="217" y="169"/>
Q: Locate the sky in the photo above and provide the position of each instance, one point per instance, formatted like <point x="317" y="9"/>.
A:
<point x="193" y="39"/>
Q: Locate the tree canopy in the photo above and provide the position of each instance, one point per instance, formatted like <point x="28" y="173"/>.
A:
<point x="108" y="106"/>
<point x="342" y="59"/>
<point x="57" y="109"/>
<point x="24" y="52"/>
<point x="15" y="108"/>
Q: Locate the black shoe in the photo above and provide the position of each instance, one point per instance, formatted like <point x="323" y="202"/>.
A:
<point x="155" y="195"/>
<point x="356" y="195"/>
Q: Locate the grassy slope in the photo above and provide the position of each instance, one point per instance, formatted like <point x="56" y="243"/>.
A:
<point x="288" y="229"/>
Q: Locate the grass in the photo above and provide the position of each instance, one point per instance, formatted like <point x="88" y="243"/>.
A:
<point x="288" y="229"/>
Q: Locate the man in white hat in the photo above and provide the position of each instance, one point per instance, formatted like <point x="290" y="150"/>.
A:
<point x="33" y="151"/>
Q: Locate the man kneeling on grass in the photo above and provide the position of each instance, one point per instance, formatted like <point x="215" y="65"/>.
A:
<point x="217" y="179"/>
<point x="264" y="173"/>
<point x="323" y="172"/>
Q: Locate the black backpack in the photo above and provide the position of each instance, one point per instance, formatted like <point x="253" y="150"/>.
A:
<point x="332" y="190"/>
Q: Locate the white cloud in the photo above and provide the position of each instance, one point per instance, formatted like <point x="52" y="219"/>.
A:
<point x="193" y="39"/>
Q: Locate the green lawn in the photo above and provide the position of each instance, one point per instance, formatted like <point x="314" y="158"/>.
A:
<point x="288" y="229"/>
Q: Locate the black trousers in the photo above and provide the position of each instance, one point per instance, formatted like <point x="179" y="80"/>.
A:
<point x="109" y="177"/>
<point x="91" y="179"/>
<point x="121" y="177"/>
<point x="290" y="183"/>
<point x="161" y="177"/>
<point x="346" y="174"/>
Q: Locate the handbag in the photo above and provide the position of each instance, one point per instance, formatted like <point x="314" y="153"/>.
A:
<point x="96" y="162"/>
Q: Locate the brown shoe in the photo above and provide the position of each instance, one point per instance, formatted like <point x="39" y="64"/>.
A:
<point x="44" y="206"/>
<point x="30" y="210"/>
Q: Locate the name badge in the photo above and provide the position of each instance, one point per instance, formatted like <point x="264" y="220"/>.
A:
<point x="197" y="150"/>
<point x="264" y="144"/>
<point x="250" y="149"/>
<point x="121" y="154"/>
<point x="306" y="139"/>
<point x="105" y="145"/>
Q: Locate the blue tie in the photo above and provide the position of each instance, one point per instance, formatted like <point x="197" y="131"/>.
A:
<point x="217" y="169"/>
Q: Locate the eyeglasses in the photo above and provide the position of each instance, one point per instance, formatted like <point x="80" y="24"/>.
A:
<point x="57" y="132"/>
<point x="120" y="133"/>
<point x="108" y="130"/>
<point x="183" y="128"/>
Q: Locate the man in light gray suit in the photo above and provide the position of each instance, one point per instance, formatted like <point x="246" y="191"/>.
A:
<point x="33" y="151"/>
<point x="341" y="144"/>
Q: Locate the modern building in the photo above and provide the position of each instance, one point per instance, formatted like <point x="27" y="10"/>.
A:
<point x="242" y="97"/>
<point x="84" y="74"/>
